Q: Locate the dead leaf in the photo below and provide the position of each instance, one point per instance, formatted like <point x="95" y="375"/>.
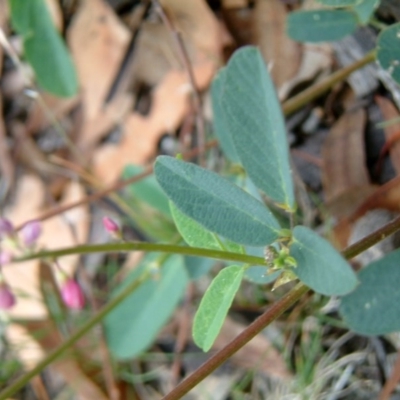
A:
<point x="98" y="41"/>
<point x="279" y="51"/>
<point x="55" y="13"/>
<point x="344" y="164"/>
<point x="392" y="131"/>
<point x="141" y="134"/>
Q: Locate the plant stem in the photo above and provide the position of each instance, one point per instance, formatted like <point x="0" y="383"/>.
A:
<point x="24" y="379"/>
<point x="249" y="333"/>
<point x="372" y="239"/>
<point x="320" y="88"/>
<point x="144" y="246"/>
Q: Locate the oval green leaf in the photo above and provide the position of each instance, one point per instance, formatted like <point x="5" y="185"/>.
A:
<point x="214" y="306"/>
<point x="373" y="308"/>
<point x="254" y="118"/>
<point x="215" y="203"/>
<point x="365" y="10"/>
<point x="388" y="50"/>
<point x="320" y="25"/>
<point x="319" y="265"/>
<point x="132" y="326"/>
<point x="44" y="48"/>
<point x="221" y="128"/>
<point x="339" y="3"/>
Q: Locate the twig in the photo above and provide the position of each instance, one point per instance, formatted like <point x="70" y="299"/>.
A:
<point x="197" y="103"/>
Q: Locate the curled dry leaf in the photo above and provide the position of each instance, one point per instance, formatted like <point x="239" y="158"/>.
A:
<point x="281" y="53"/>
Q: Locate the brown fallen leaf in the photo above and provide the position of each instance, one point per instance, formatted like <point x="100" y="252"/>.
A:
<point x="279" y="51"/>
<point x="141" y="134"/>
<point x="98" y="41"/>
<point x="344" y="170"/>
<point x="392" y="132"/>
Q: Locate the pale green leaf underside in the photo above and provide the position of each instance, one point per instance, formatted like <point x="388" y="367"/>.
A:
<point x="388" y="50"/>
<point x="254" y="118"/>
<point x="193" y="233"/>
<point x="221" y="127"/>
<point x="134" y="324"/>
<point x="215" y="203"/>
<point x="44" y="48"/>
<point x="373" y="307"/>
<point x="320" y="25"/>
<point x="215" y="305"/>
<point x="319" y="265"/>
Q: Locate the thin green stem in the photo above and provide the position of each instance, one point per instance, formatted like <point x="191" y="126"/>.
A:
<point x="143" y="246"/>
<point x="320" y="88"/>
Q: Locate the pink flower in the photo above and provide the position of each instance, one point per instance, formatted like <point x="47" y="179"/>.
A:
<point x="7" y="298"/>
<point x="30" y="232"/>
<point x="110" y="225"/>
<point x="6" y="228"/>
<point x="72" y="294"/>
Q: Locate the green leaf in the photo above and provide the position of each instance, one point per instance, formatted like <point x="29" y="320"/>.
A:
<point x="214" y="306"/>
<point x="44" y="48"/>
<point x="254" y="118"/>
<point x="320" y="25"/>
<point x="373" y="307"/>
<point x="197" y="267"/>
<point x="132" y="326"/>
<point x="193" y="233"/>
<point x="319" y="265"/>
<point x="147" y="190"/>
<point x="365" y="10"/>
<point x="388" y="50"/>
<point x="215" y="203"/>
<point x="339" y="3"/>
<point x="221" y="128"/>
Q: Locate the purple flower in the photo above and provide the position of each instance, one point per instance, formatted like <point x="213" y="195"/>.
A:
<point x="30" y="232"/>
<point x="7" y="298"/>
<point x="6" y="228"/>
<point x="72" y="294"/>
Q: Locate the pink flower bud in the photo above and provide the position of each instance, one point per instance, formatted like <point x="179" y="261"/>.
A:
<point x="72" y="295"/>
<point x="6" y="228"/>
<point x="30" y="232"/>
<point x="110" y="225"/>
<point x="7" y="298"/>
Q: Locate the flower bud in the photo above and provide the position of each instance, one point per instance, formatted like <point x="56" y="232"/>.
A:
<point x="110" y="225"/>
<point x="7" y="298"/>
<point x="72" y="294"/>
<point x="6" y="228"/>
<point x="30" y="232"/>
